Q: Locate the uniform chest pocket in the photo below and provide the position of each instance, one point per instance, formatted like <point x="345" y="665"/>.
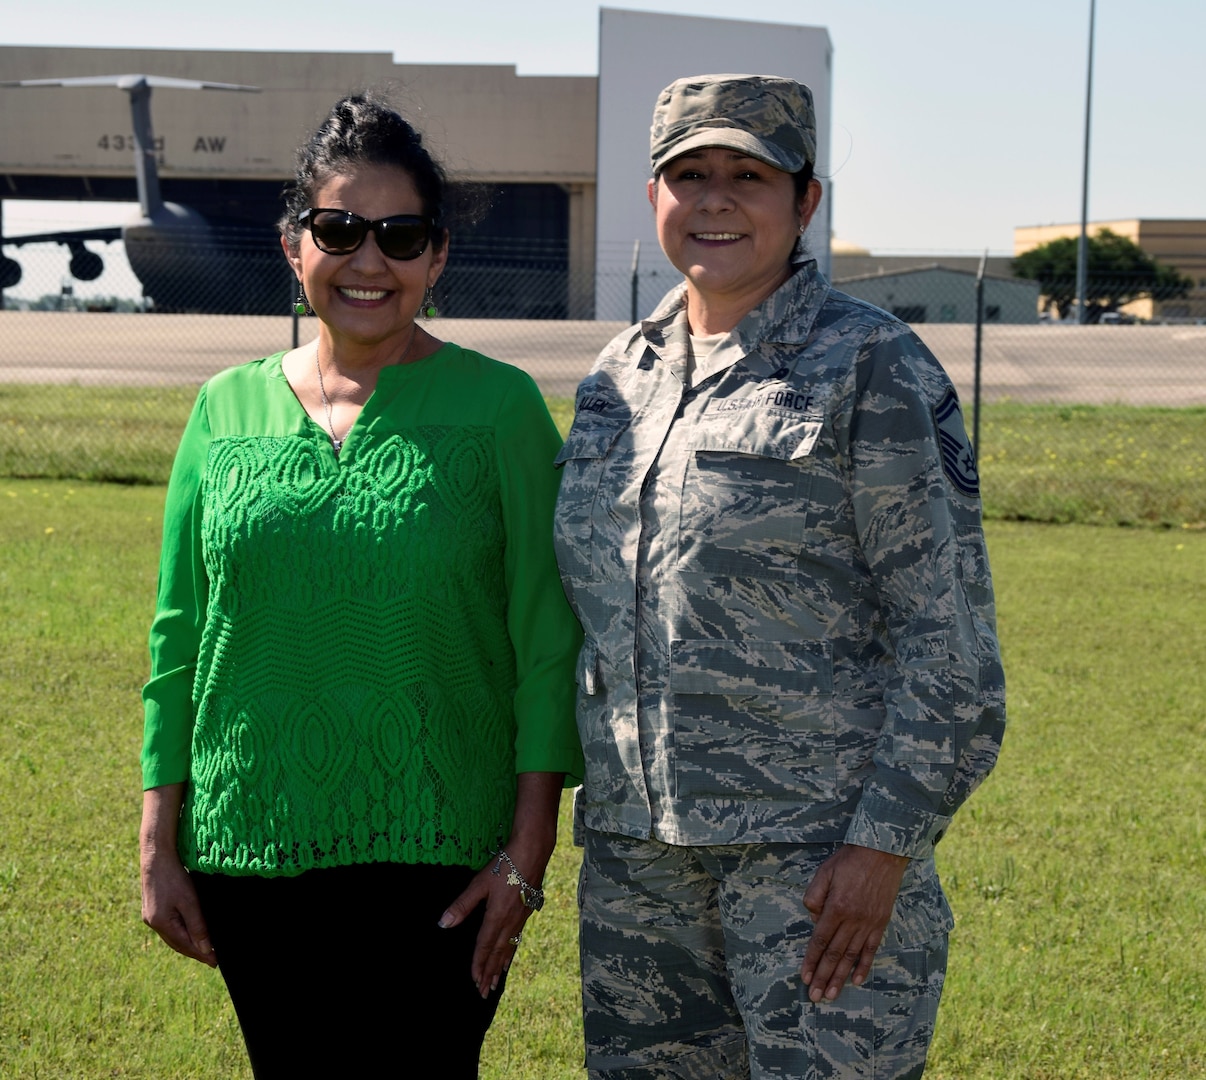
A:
<point x="581" y="461"/>
<point x="745" y="498"/>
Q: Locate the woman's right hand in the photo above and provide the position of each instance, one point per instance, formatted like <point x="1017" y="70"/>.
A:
<point x="169" y="900"/>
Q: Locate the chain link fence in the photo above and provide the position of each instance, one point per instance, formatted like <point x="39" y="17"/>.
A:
<point x="1103" y="421"/>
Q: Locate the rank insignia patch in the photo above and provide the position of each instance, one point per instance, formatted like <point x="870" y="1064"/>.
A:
<point x="958" y="460"/>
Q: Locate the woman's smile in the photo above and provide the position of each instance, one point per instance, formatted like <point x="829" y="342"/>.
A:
<point x="361" y="295"/>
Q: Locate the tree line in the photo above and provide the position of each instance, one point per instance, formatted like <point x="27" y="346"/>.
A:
<point x="1119" y="272"/>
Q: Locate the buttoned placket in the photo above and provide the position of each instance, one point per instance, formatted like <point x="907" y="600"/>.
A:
<point x="676" y="409"/>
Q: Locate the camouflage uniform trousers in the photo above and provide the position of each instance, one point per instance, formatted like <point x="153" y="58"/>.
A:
<point x="691" y="967"/>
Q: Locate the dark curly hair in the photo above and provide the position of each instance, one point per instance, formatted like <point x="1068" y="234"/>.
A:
<point x="363" y="129"/>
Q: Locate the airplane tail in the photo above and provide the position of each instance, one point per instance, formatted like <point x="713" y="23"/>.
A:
<point x="139" y="87"/>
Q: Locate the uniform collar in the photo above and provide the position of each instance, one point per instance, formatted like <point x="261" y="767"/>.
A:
<point x="785" y="317"/>
<point x="665" y="331"/>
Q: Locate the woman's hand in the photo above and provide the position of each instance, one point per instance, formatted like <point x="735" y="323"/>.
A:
<point x="504" y="919"/>
<point x="533" y="836"/>
<point x="850" y="899"/>
<point x="169" y="900"/>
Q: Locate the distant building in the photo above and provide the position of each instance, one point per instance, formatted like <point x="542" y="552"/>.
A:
<point x="941" y="294"/>
<point x="1180" y="243"/>
<point x="635" y="63"/>
<point x="838" y="247"/>
<point x="849" y="260"/>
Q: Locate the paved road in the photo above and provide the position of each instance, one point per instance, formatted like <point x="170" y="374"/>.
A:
<point x="1141" y="365"/>
<point x="1092" y="365"/>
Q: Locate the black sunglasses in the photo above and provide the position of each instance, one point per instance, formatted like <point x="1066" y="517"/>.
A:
<point x="340" y="232"/>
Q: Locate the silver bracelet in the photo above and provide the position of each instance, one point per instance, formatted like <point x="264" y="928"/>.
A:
<point x="532" y="897"/>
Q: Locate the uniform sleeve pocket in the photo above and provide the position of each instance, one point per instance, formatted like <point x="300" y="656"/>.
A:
<point x="926" y="650"/>
<point x="920" y="715"/>
<point x="974" y="572"/>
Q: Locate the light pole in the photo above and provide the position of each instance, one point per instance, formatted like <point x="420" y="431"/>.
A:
<point x="1082" y="249"/>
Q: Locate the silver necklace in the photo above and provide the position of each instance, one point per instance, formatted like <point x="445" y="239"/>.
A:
<point x="337" y="444"/>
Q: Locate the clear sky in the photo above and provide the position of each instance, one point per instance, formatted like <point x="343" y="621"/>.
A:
<point x="954" y="120"/>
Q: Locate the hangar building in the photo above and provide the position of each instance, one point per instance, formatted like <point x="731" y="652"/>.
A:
<point x="228" y="155"/>
<point x="540" y="224"/>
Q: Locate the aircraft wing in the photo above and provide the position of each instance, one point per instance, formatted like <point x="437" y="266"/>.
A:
<point x="107" y="234"/>
<point x="126" y="81"/>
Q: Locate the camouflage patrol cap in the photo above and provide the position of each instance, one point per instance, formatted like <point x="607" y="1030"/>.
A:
<point x="765" y="116"/>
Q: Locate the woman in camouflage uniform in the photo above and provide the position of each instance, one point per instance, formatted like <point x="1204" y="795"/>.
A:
<point x="769" y="527"/>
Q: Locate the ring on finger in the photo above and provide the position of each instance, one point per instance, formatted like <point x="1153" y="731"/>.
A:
<point x="516" y="939"/>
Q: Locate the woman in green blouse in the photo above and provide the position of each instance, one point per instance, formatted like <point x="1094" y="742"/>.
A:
<point x="360" y="713"/>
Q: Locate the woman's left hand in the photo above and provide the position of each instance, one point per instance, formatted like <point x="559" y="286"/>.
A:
<point x="851" y="899"/>
<point x="533" y="836"/>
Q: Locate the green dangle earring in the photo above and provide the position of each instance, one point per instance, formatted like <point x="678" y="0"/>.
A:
<point x="301" y="306"/>
<point x="428" y="308"/>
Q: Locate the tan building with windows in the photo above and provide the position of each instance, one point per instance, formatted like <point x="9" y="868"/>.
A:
<point x="1180" y="243"/>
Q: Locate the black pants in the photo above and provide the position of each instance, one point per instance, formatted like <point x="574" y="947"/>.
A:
<point x="344" y="972"/>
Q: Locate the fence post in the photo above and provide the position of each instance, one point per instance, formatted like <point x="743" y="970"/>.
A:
<point x="1082" y="246"/>
<point x="979" y="357"/>
<point x="636" y="280"/>
<point x="8" y="276"/>
<point x="296" y="317"/>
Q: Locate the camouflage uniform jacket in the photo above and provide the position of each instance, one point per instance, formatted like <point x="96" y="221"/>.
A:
<point x="781" y="573"/>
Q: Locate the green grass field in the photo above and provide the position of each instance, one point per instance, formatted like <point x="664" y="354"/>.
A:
<point x="122" y="433"/>
<point x="1098" y="465"/>
<point x="1077" y="873"/>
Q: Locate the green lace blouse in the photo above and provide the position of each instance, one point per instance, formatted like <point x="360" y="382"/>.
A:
<point x="352" y="657"/>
